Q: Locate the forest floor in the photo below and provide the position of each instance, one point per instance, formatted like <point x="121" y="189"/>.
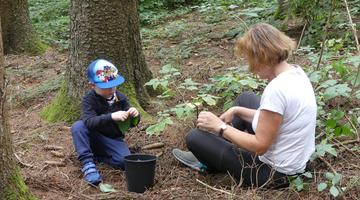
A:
<point x="201" y="50"/>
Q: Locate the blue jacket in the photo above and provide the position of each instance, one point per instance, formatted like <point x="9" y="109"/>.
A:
<point x="96" y="113"/>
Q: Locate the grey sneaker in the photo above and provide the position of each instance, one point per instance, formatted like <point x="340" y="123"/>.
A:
<point x="188" y="159"/>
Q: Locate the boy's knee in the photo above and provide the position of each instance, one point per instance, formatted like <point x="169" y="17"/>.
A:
<point x="118" y="162"/>
<point x="78" y="125"/>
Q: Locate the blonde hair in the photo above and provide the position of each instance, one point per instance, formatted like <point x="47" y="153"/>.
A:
<point x="264" y="45"/>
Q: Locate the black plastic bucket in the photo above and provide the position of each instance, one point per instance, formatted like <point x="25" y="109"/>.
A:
<point x="140" y="172"/>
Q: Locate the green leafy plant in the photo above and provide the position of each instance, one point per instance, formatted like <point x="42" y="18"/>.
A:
<point x="159" y="127"/>
<point x="223" y="87"/>
<point x="124" y="126"/>
<point x="297" y="181"/>
<point x="333" y="182"/>
<point x="169" y="74"/>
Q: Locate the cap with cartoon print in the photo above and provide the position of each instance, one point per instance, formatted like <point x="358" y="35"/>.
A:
<point x="104" y="74"/>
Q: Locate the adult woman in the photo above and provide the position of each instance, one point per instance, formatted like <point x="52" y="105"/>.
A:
<point x="269" y="138"/>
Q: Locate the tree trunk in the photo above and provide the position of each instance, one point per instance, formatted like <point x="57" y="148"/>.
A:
<point x="12" y="186"/>
<point x="18" y="35"/>
<point x="107" y="29"/>
<point x="281" y="10"/>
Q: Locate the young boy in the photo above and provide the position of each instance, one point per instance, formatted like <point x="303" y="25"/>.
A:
<point x="97" y="136"/>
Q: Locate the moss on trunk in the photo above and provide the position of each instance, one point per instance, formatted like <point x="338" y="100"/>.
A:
<point x="17" y="190"/>
<point x="62" y="109"/>
<point x="130" y="92"/>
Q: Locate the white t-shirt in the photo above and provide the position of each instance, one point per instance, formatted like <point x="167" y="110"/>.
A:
<point x="291" y="95"/>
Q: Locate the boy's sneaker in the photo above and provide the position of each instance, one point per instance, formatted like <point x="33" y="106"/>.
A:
<point x="188" y="159"/>
<point x="91" y="174"/>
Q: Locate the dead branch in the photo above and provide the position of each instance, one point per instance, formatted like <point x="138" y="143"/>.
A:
<point x="57" y="154"/>
<point x="53" y="147"/>
<point x="345" y="147"/>
<point x="55" y="163"/>
<point x="213" y="188"/>
<point x="328" y="164"/>
<point x="353" y="126"/>
<point x="324" y="37"/>
<point x="356" y="166"/>
<point x="21" y="162"/>
<point x="153" y="146"/>
<point x="346" y="142"/>
<point x="352" y="26"/>
<point x="159" y="154"/>
<point x="65" y="128"/>
<point x="301" y="36"/>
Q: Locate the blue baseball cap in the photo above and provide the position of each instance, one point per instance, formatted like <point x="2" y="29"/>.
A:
<point x="104" y="74"/>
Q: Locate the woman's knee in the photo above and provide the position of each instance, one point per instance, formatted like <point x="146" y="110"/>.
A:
<point x="247" y="99"/>
<point x="192" y="138"/>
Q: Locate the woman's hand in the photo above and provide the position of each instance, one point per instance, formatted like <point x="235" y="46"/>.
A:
<point x="209" y="122"/>
<point x="229" y="115"/>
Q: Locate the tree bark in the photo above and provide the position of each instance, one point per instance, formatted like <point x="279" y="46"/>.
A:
<point x="281" y="10"/>
<point x="11" y="183"/>
<point x="106" y="29"/>
<point x="18" y="35"/>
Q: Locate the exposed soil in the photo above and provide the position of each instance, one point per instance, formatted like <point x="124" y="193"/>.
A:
<point x="172" y="181"/>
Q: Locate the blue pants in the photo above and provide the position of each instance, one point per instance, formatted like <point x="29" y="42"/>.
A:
<point x="91" y="145"/>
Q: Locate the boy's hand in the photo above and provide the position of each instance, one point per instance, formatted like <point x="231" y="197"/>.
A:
<point x="133" y="112"/>
<point x="119" y="115"/>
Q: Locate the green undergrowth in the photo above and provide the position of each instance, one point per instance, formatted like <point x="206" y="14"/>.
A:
<point x="51" y="20"/>
<point x="35" y="46"/>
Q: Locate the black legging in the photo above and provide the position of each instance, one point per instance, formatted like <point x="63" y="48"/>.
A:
<point x="220" y="155"/>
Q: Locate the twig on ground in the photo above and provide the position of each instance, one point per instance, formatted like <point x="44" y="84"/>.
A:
<point x="213" y="188"/>
<point x="159" y="154"/>
<point x="153" y="146"/>
<point x="65" y="128"/>
<point x="55" y="163"/>
<point x="21" y="162"/>
<point x="243" y="22"/>
<point x="57" y="154"/>
<point x="353" y="126"/>
<point x="356" y="166"/>
<point x="328" y="164"/>
<point x="345" y="147"/>
<point x="53" y="147"/>
<point x="346" y="142"/>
